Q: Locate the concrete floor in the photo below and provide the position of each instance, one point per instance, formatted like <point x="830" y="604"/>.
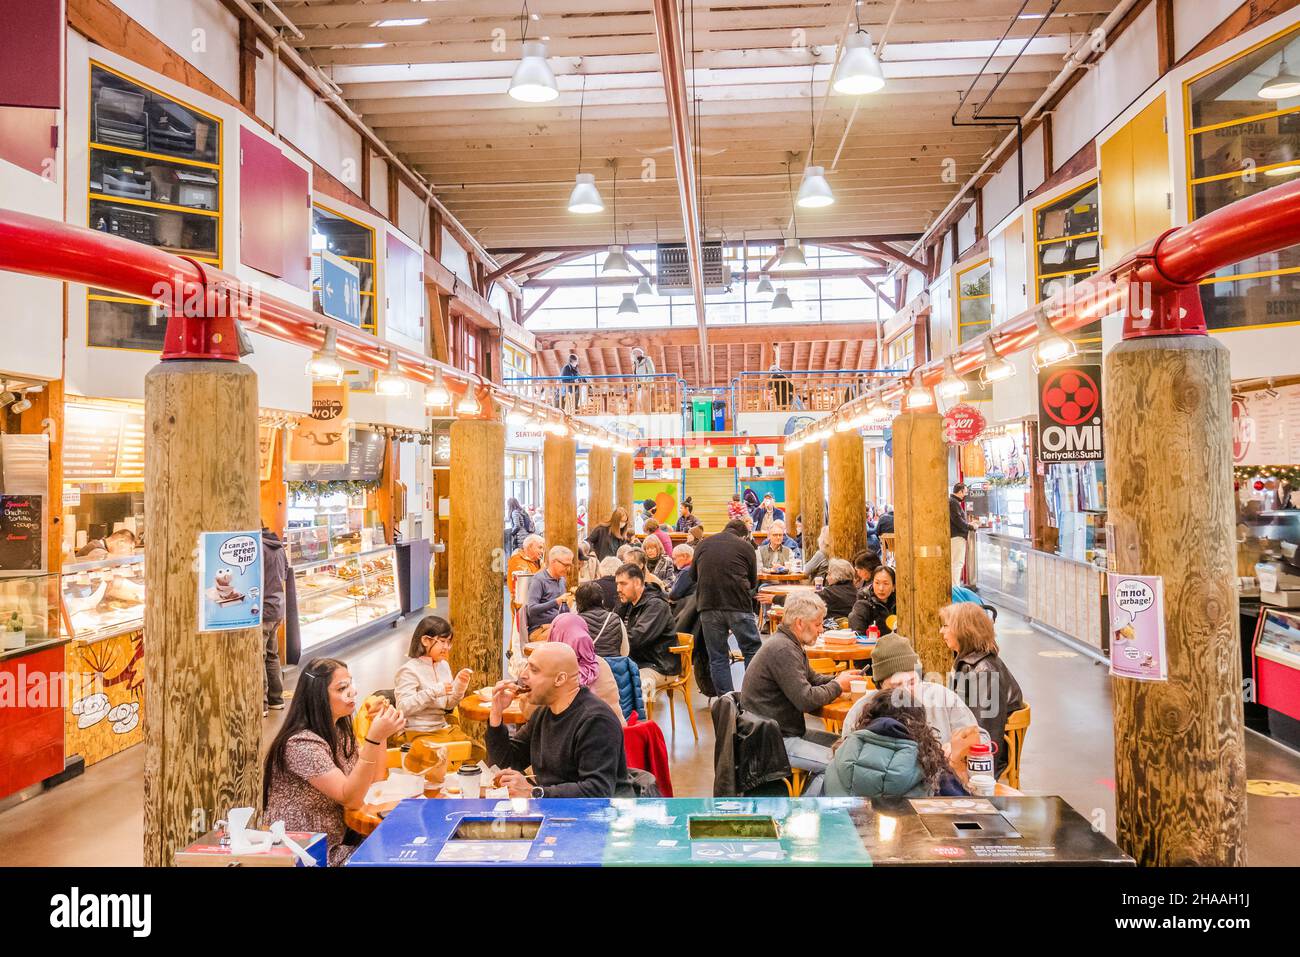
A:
<point x="97" y="819"/>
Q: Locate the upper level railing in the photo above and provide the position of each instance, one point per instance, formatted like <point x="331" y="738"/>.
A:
<point x="662" y="394"/>
<point x="822" y="390"/>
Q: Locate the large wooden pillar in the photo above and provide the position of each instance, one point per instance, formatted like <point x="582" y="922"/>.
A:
<point x="203" y="720"/>
<point x="922" y="551"/>
<point x="1180" y="774"/>
<point x="559" y="461"/>
<point x="793" y="490"/>
<point x="476" y="566"/>
<point x="623" y="492"/>
<point x="812" y="502"/>
<point x="848" y="518"/>
<point x="600" y="484"/>
<point x="871" y="478"/>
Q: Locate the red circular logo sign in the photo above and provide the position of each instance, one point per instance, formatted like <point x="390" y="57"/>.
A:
<point x="962" y="423"/>
<point x="1070" y="397"/>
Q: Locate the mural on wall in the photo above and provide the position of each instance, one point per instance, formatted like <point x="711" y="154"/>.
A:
<point x="663" y="494"/>
<point x="109" y="717"/>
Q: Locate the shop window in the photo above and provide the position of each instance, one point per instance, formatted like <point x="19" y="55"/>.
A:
<point x="901" y="352"/>
<point x="353" y="242"/>
<point x="973" y="301"/>
<point x="519" y="477"/>
<point x="155" y="177"/>
<point x="1243" y="137"/>
<point x="1067" y="248"/>
<point x="516" y="363"/>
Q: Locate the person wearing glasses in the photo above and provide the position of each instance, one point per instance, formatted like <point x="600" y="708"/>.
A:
<point x="548" y="592"/>
<point x="425" y="690"/>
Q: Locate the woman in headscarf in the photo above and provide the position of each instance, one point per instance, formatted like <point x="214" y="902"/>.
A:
<point x="593" y="671"/>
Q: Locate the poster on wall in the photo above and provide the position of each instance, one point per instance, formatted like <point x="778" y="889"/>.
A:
<point x="1069" y="414"/>
<point x="1266" y="427"/>
<point x="1137" y="627"/>
<point x="322" y="437"/>
<point x="230" y="580"/>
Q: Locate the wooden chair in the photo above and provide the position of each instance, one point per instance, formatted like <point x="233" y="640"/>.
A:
<point x="1014" y="741"/>
<point x="796" y="782"/>
<point x="682" y="682"/>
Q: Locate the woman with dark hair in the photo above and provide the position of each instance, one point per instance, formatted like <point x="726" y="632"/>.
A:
<point x="608" y="633"/>
<point x="521" y="525"/>
<point x="876" y="603"/>
<point x="892" y="753"/>
<point x="315" y="767"/>
<point x="687" y="520"/>
<point x="607" y="539"/>
<point x="425" y="690"/>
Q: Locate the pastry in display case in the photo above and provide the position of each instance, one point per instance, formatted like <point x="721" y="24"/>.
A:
<point x="104" y="598"/>
<point x="29" y="612"/>
<point x="308" y="544"/>
<point x="343" y="594"/>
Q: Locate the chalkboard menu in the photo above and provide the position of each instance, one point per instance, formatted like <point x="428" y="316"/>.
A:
<point x="365" y="463"/>
<point x="21" y="535"/>
<point x="102" y="443"/>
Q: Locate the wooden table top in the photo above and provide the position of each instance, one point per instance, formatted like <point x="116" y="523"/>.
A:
<point x="786" y="577"/>
<point x="474" y="708"/>
<point x="853" y="652"/>
<point x="838" y="709"/>
<point x="784" y="589"/>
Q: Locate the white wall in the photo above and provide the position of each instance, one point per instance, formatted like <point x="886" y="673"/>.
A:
<point x="454" y="256"/>
<point x="205" y="33"/>
<point x="379" y="184"/>
<point x="1194" y="19"/>
<point x="310" y="124"/>
<point x="966" y="229"/>
<point x="33" y="307"/>
<point x="412" y="215"/>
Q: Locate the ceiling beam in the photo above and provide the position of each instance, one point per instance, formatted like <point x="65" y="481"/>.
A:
<point x="779" y="333"/>
<point x="846" y="272"/>
<point x="904" y="258"/>
<point x="904" y="237"/>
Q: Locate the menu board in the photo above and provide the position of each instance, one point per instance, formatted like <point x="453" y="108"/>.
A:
<point x="21" y="533"/>
<point x="103" y="443"/>
<point x="1266" y="427"/>
<point x="365" y="463"/>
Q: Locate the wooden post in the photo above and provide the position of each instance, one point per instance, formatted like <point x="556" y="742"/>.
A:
<point x="922" y="550"/>
<point x="600" y="483"/>
<point x="1180" y="773"/>
<point x="812" y="501"/>
<point x="273" y="494"/>
<point x="793" y="505"/>
<point x="848" y="518"/>
<point x="1038" y="525"/>
<point x="203" y="728"/>
<point x="476" y="562"/>
<point x="559" y="461"/>
<point x="623" y="492"/>
<point x="870" y="479"/>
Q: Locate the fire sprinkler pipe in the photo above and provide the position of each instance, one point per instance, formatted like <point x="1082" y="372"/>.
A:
<point x="668" y="29"/>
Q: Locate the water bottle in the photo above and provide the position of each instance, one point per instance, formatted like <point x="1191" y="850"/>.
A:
<point x="979" y="765"/>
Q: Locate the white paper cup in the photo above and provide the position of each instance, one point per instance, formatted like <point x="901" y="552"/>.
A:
<point x="471" y="781"/>
<point x="858" y="687"/>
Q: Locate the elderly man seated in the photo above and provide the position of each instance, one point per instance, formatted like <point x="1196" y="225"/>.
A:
<point x="684" y="583"/>
<point x="774" y="555"/>
<point x="546" y="592"/>
<point x="572" y="740"/>
<point x="781" y="685"/>
<point x="526" y="558"/>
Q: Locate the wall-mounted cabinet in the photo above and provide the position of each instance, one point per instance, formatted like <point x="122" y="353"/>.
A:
<point x="1067" y="247"/>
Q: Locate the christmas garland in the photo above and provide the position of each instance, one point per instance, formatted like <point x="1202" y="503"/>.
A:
<point x="317" y="489"/>
<point x="1286" y="473"/>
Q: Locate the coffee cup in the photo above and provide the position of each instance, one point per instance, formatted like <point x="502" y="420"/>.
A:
<point x="858" y="686"/>
<point x="471" y="780"/>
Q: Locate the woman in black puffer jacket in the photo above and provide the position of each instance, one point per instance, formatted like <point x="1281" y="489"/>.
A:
<point x="876" y="604"/>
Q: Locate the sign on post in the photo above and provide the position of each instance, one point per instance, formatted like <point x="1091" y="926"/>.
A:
<point x="230" y="580"/>
<point x="1137" y="627"/>
<point x="1069" y="414"/>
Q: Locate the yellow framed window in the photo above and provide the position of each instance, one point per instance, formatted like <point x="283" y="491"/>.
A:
<point x="1243" y="136"/>
<point x="352" y="241"/>
<point x="154" y="176"/>
<point x="974" y="303"/>
<point x="1067" y="247"/>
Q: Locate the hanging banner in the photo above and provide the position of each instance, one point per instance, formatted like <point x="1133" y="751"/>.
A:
<point x="1137" y="627"/>
<point x="1069" y="414"/>
<point x="962" y="424"/>
<point x="230" y="580"/>
<point x="322" y="438"/>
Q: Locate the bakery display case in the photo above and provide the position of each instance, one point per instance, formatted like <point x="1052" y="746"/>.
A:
<point x="341" y="595"/>
<point x="104" y="598"/>
<point x="29" y="614"/>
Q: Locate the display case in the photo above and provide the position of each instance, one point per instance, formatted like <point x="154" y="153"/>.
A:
<point x="334" y="537"/>
<point x="35" y="600"/>
<point x="308" y="544"/>
<point x="1002" y="569"/>
<point x="104" y="598"/>
<point x="337" y="596"/>
<point x="1277" y="662"/>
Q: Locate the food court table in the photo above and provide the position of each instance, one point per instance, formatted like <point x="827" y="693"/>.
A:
<point x="790" y="577"/>
<point x="751" y="831"/>
<point x="480" y="709"/>
<point x="852" y="652"/>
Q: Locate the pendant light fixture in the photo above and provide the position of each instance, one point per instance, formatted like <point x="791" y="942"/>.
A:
<point x="814" y="191"/>
<point x="919" y="397"/>
<point x="878" y="410"/>
<point x="533" y="82"/>
<point x="764" y="285"/>
<point x="951" y="386"/>
<point x="996" y="368"/>
<point x="585" y="198"/>
<point x="792" y="256"/>
<point x="1282" y="86"/>
<point x="436" y="395"/>
<point x="628" y="306"/>
<point x="1052" y="346"/>
<point x="615" y="263"/>
<point x="859" y="70"/>
<point x="468" y="404"/>
<point x="644" y="289"/>
<point x="781" y="305"/>
<point x="324" y="364"/>
<point x="390" y="382"/>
